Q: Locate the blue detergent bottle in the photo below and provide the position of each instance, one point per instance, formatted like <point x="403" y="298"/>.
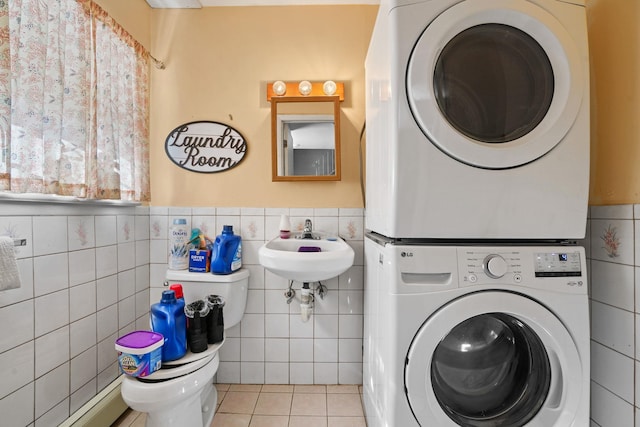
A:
<point x="168" y="319"/>
<point x="226" y="256"/>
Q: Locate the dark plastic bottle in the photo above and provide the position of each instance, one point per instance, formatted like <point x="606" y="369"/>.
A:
<point x="168" y="319"/>
<point x="197" y="313"/>
<point x="215" y="319"/>
<point x="227" y="252"/>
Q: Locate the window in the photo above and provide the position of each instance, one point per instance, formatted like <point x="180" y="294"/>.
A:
<point x="73" y="102"/>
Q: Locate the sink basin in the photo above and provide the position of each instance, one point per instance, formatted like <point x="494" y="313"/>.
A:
<point x="283" y="257"/>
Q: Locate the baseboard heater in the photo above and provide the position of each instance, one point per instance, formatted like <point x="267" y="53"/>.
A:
<point x="101" y="411"/>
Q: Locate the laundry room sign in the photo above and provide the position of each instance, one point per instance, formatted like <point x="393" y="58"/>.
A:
<point x="205" y="146"/>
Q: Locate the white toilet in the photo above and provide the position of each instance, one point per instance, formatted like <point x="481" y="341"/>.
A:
<point x="181" y="393"/>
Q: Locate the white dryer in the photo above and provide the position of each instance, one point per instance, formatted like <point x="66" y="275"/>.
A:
<point x="475" y="336"/>
<point x="478" y="119"/>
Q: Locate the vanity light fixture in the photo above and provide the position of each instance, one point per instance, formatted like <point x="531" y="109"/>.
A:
<point x="304" y="87"/>
<point x="329" y="87"/>
<point x="279" y="88"/>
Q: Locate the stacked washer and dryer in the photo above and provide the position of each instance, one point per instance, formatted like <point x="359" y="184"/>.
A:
<point x="476" y="304"/>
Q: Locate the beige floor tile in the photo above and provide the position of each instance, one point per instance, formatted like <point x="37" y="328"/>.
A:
<point x="310" y="389"/>
<point x="222" y="387"/>
<point x="274" y="404"/>
<point x="239" y="402"/>
<point x="306" y="421"/>
<point x="344" y="405"/>
<point x="309" y="404"/>
<point x="337" y="389"/>
<point x="231" y="420"/>
<point x="277" y="388"/>
<point x="346" y="422"/>
<point x="245" y="387"/>
<point x="140" y="421"/>
<point x="255" y="405"/>
<point x="269" y="421"/>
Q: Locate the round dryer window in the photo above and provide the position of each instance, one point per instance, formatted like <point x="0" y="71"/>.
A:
<point x="495" y="84"/>
<point x="492" y="358"/>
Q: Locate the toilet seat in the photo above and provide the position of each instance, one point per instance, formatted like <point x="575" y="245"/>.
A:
<point x="187" y="364"/>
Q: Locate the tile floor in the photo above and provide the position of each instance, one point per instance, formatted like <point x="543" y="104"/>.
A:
<point x="248" y="405"/>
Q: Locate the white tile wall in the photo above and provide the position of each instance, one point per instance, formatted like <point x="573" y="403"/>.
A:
<point x="613" y="246"/>
<point x="89" y="274"/>
<point x="272" y="344"/>
<point x="81" y="273"/>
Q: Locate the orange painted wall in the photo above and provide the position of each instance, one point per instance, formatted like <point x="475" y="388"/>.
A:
<point x="614" y="37"/>
<point x="219" y="60"/>
<point x="134" y="15"/>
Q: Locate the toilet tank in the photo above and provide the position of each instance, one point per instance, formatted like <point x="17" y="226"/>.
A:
<point x="233" y="287"/>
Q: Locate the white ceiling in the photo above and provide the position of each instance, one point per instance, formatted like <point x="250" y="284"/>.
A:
<point x="191" y="4"/>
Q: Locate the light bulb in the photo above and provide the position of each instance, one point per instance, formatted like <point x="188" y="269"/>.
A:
<point x="329" y="87"/>
<point x="279" y="88"/>
<point x="304" y="87"/>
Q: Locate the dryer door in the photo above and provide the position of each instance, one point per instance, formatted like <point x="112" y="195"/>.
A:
<point x="495" y="84"/>
<point x="473" y="363"/>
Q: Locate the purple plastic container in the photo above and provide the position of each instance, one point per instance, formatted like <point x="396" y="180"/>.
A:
<point x="309" y="249"/>
<point x="140" y="353"/>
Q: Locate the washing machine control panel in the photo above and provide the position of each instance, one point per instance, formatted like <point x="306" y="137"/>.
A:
<point x="495" y="266"/>
<point x="518" y="265"/>
<point x="481" y="264"/>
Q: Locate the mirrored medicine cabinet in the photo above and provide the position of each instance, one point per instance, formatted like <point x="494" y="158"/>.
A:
<point x="305" y="134"/>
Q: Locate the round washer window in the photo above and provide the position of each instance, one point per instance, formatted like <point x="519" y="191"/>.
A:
<point x="493" y="82"/>
<point x="491" y="370"/>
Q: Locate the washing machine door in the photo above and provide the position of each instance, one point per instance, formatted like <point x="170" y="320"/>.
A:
<point x="475" y="363"/>
<point x="495" y="84"/>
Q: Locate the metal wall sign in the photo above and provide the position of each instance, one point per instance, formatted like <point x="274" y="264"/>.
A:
<point x="205" y="146"/>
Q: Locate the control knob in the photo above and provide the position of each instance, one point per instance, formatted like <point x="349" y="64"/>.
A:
<point x="495" y="266"/>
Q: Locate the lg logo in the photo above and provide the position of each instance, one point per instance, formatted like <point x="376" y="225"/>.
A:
<point x="404" y="254"/>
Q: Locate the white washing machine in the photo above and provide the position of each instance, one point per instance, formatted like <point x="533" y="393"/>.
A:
<point x="475" y="336"/>
<point x="478" y="119"/>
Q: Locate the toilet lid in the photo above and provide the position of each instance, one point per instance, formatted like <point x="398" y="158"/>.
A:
<point x="187" y="364"/>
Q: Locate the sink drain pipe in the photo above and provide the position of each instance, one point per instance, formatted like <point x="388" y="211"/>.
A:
<point x="307" y="297"/>
<point x="306" y="302"/>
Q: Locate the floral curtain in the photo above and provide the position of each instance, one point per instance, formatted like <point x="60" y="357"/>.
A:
<point x="76" y="86"/>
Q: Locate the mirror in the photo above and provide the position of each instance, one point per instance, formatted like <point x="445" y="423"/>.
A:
<point x="305" y="138"/>
<point x="306" y="145"/>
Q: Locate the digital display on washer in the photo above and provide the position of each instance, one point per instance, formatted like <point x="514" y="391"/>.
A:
<point x="557" y="264"/>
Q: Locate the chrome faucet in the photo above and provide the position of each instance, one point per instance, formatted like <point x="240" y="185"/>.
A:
<point x="307" y="232"/>
<point x="307" y="226"/>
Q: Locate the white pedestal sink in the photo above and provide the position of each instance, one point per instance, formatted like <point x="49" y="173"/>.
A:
<point x="306" y="260"/>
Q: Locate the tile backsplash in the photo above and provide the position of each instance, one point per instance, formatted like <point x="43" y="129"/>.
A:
<point x="89" y="274"/>
<point x="84" y="281"/>
<point x="613" y="249"/>
<point x="272" y="345"/>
